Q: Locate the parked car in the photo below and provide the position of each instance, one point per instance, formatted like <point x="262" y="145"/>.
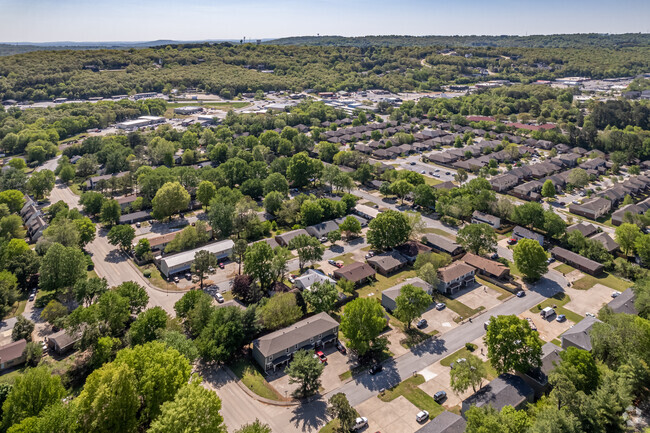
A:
<point x="360" y="423"/>
<point x="176" y="279"/>
<point x="338" y="264"/>
<point x="440" y="306"/>
<point x="494" y="256"/>
<point x="422" y="416"/>
<point x="219" y="298"/>
<point x="615" y="294"/>
<point x="341" y="348"/>
<point x="32" y="296"/>
<point x="376" y="368"/>
<point x="590" y="315"/>
<point x="422" y="172"/>
<point x="221" y="265"/>
<point x="411" y="163"/>
<point x="138" y="225"/>
<point x="550" y="260"/>
<point x="512" y="241"/>
<point x="561" y="318"/>
<point x="521" y="294"/>
<point x="331" y="262"/>
<point x="188" y="276"/>
<point x="447" y="173"/>
<point x="321" y="357"/>
<point x="323" y="239"/>
<point x="439" y="396"/>
<point x="422" y="323"/>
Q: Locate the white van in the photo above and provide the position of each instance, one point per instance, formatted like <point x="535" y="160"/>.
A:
<point x="547" y="312"/>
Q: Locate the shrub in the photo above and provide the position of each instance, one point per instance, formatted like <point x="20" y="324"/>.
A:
<point x="470" y="346"/>
<point x="147" y="273"/>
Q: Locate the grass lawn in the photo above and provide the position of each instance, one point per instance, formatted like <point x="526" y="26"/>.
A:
<point x="409" y="389"/>
<point x="559" y="299"/>
<point x="384" y="283"/>
<point x="514" y="270"/>
<point x="440" y="232"/>
<point x="76" y="188"/>
<point x="564" y="268"/>
<point x="11" y="377"/>
<point x="504" y="294"/>
<point x="157" y="279"/>
<point x="253" y="379"/>
<point x="414" y="337"/>
<point x="17" y="308"/>
<point x="431" y="181"/>
<point x="609" y="280"/>
<point x="464" y="353"/>
<point x="345" y="258"/>
<point x="344" y="376"/>
<point x="330" y="427"/>
<point x="556" y="342"/>
<point x="458" y="307"/>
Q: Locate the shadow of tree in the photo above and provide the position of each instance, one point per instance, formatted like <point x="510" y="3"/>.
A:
<point x="310" y="416"/>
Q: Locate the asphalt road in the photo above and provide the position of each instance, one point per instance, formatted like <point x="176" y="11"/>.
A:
<point x="111" y="263"/>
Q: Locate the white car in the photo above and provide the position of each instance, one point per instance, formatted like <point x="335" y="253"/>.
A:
<point x="615" y="294"/>
<point x="360" y="423"/>
<point x="219" y="298"/>
<point x="422" y="416"/>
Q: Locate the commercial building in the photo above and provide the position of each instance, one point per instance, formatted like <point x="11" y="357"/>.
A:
<point x="276" y="349"/>
<point x="140" y="122"/>
<point x="187" y="110"/>
<point x="181" y="262"/>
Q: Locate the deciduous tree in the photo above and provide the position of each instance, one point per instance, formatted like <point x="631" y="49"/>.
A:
<point x="530" y="258"/>
<point x="388" y="230"/>
<point x="477" y="238"/>
<point x="121" y="235"/>
<point x="411" y="303"/>
<point x="361" y="323"/>
<point x="170" y="199"/>
<point x="305" y="369"/>
<point x="203" y="261"/>
<point x="469" y="373"/>
<point x="512" y="345"/>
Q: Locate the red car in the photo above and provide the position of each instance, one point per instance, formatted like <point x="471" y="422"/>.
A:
<point x="339" y="264"/>
<point x="512" y="241"/>
<point x="221" y="265"/>
<point x="320" y="355"/>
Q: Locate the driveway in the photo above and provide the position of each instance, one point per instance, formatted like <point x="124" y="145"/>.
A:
<point x="396" y="416"/>
<point x="478" y="295"/>
<point x="442" y="320"/>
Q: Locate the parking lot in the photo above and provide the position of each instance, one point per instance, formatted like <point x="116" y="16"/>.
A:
<point x="588" y="301"/>
<point x="442" y="320"/>
<point x="336" y="364"/>
<point x="548" y="329"/>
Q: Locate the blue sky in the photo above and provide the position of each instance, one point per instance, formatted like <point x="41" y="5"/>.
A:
<point x="120" y="20"/>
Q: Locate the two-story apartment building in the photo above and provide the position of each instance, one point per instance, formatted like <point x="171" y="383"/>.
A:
<point x="455" y="277"/>
<point x="275" y="350"/>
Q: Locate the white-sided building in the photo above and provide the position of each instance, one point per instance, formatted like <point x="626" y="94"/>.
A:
<point x="140" y="122"/>
<point x="181" y="262"/>
<point x="311" y="276"/>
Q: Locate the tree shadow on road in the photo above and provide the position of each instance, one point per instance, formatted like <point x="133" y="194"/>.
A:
<point x="310" y="416"/>
<point x="115" y="256"/>
<point x="432" y="345"/>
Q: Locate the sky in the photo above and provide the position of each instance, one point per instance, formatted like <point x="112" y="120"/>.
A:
<point x="146" y="20"/>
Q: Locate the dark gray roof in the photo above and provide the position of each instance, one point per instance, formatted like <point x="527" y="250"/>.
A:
<point x="322" y="229"/>
<point x="624" y="303"/>
<point x="585" y="228"/>
<point x="288" y="337"/>
<point x="578" y="335"/>
<point x="394" y="291"/>
<point x="505" y="390"/>
<point x="387" y="261"/>
<point x="446" y="422"/>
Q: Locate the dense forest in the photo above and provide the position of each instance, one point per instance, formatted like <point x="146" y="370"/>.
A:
<point x="229" y="69"/>
<point x="533" y="41"/>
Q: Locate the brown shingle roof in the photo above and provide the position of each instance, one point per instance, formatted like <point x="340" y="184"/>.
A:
<point x="12" y="351"/>
<point x="489" y="266"/>
<point x="455" y="270"/>
<point x="355" y="272"/>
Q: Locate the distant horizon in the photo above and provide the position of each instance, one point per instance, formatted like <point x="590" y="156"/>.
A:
<point x="197" y="20"/>
<point x="267" y="39"/>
